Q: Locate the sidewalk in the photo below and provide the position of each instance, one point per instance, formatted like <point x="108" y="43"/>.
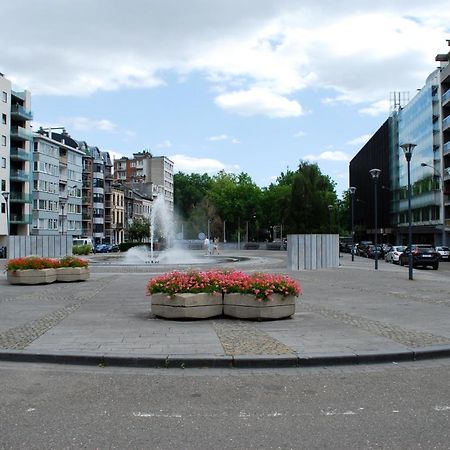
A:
<point x="348" y="315"/>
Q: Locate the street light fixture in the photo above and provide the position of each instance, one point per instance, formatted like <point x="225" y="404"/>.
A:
<point x="375" y="176"/>
<point x="352" y="191"/>
<point x="408" y="150"/>
<point x="6" y="197"/>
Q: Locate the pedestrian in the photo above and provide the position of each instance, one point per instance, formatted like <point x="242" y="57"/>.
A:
<point x="216" y="246"/>
<point x="206" y="245"/>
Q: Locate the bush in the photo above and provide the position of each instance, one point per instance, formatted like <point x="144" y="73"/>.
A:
<point x="82" y="249"/>
<point x="70" y="261"/>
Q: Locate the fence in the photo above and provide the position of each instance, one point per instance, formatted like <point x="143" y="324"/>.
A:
<point x="312" y="251"/>
<point x="47" y="246"/>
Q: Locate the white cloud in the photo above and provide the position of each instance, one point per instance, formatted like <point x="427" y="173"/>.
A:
<point x="300" y="134"/>
<point x="328" y="156"/>
<point x="191" y="164"/>
<point x="165" y="144"/>
<point x="259" y="101"/>
<point x="279" y="48"/>
<point x="361" y="140"/>
<point x="376" y="109"/>
<point x="220" y="137"/>
<point x="86" y="124"/>
<point x="224" y="137"/>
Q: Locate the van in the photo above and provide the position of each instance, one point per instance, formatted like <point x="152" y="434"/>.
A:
<point x="83" y="241"/>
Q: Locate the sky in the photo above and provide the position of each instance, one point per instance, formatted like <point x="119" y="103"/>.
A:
<point x="251" y="86"/>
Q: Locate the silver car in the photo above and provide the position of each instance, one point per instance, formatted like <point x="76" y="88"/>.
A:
<point x="444" y="252"/>
<point x="394" y="253"/>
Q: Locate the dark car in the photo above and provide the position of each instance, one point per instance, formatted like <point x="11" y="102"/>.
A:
<point x="422" y="255"/>
<point x="102" y="248"/>
<point x="375" y="251"/>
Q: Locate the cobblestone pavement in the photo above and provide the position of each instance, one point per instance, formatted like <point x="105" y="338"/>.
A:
<point x="241" y="338"/>
<point x="349" y="309"/>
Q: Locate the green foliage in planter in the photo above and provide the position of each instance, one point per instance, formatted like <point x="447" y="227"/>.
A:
<point x="82" y="249"/>
<point x="71" y="261"/>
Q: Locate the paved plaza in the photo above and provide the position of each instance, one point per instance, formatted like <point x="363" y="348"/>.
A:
<point x="347" y="315"/>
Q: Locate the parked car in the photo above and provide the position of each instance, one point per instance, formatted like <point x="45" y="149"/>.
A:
<point x="423" y="256"/>
<point x="393" y="255"/>
<point x="444" y="252"/>
<point x="102" y="248"/>
<point x="363" y="247"/>
<point x="374" y="251"/>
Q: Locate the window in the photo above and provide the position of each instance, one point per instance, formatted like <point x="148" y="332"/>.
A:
<point x="4" y="97"/>
<point x="3" y="140"/>
<point x="3" y="185"/>
<point x="3" y="208"/>
<point x="3" y="119"/>
<point x="3" y="163"/>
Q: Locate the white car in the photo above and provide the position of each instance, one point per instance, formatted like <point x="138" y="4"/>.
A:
<point x="394" y="253"/>
<point x="444" y="252"/>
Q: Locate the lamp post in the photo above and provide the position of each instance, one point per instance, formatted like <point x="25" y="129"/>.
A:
<point x="352" y="191"/>
<point x="408" y="150"/>
<point x="6" y="197"/>
<point x="441" y="188"/>
<point x="375" y="175"/>
<point x="330" y="210"/>
<point x="62" y="202"/>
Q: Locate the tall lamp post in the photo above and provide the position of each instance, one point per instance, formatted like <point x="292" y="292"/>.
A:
<point x="62" y="202"/>
<point x="6" y="197"/>
<point x="441" y="187"/>
<point x="375" y="176"/>
<point x="352" y="191"/>
<point x="408" y="150"/>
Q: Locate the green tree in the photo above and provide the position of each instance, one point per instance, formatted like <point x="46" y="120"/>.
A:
<point x="139" y="229"/>
<point x="189" y="192"/>
<point x="312" y="192"/>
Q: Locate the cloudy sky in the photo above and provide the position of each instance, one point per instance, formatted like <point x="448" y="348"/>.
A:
<point x="253" y="85"/>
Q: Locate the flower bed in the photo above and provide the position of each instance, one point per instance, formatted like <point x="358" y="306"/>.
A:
<point x="39" y="270"/>
<point x="257" y="296"/>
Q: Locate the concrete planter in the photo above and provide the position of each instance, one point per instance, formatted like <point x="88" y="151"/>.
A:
<point x="187" y="306"/>
<point x="31" y="276"/>
<point x="246" y="306"/>
<point x="68" y="274"/>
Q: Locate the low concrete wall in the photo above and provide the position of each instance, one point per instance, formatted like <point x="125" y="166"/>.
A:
<point x="47" y="246"/>
<point x="312" y="251"/>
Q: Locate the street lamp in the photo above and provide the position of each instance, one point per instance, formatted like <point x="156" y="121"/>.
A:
<point x="441" y="188"/>
<point x="62" y="202"/>
<point x="352" y="191"/>
<point x="330" y="209"/>
<point x="6" y="197"/>
<point x="408" y="150"/>
<point x="375" y="175"/>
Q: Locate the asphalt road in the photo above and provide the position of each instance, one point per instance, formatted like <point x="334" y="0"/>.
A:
<point x="395" y="406"/>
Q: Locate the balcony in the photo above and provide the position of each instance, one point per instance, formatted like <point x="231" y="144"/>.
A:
<point x="446" y="149"/>
<point x="19" y="112"/>
<point x="21" y="133"/>
<point x="19" y="197"/>
<point x="19" y="175"/>
<point x="20" y="219"/>
<point x="446" y="96"/>
<point x="19" y="154"/>
<point x="446" y="123"/>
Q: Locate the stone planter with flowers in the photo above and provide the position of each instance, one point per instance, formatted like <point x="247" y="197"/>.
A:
<point x="72" y="268"/>
<point x="233" y="293"/>
<point x="31" y="270"/>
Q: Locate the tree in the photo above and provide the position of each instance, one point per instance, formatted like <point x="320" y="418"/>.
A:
<point x="189" y="192"/>
<point x="139" y="229"/>
<point x="312" y="192"/>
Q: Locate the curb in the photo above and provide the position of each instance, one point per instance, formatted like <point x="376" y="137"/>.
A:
<point x="224" y="361"/>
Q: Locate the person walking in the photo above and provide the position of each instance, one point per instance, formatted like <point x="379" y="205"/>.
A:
<point x="206" y="246"/>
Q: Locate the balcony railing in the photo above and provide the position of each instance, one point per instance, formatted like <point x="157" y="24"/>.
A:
<point x="19" y="197"/>
<point x="446" y="122"/>
<point x="446" y="148"/>
<point x="21" y="154"/>
<point x="21" y="112"/>
<point x="21" y="133"/>
<point x="20" y="218"/>
<point x="19" y="175"/>
<point x="446" y="96"/>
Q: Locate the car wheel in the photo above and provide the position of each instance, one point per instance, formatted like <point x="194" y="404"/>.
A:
<point x="436" y="266"/>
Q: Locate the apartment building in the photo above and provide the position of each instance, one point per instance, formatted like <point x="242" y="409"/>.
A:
<point x="117" y="214"/>
<point x="15" y="159"/>
<point x="57" y="181"/>
<point x="145" y="168"/>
